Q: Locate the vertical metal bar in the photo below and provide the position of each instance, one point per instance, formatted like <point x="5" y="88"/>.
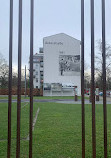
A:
<point x="93" y="81"/>
<point x="104" y="78"/>
<point x="19" y="79"/>
<point x="31" y="78"/>
<point x="10" y="79"/>
<point x="25" y="81"/>
<point x="82" y="78"/>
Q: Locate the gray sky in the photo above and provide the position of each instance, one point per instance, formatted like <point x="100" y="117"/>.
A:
<point x="50" y="17"/>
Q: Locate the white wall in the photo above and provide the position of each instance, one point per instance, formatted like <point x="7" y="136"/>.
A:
<point x="37" y="69"/>
<point x="60" y="44"/>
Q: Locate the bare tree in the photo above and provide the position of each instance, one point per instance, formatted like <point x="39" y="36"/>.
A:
<point x="99" y="59"/>
<point x="3" y="72"/>
<point x="87" y="80"/>
<point x="99" y="62"/>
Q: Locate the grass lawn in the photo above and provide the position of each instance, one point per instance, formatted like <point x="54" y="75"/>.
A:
<point x="44" y="97"/>
<point x="57" y="132"/>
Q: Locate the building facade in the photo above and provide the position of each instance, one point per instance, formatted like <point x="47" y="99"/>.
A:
<point x="61" y="65"/>
<point x="38" y="69"/>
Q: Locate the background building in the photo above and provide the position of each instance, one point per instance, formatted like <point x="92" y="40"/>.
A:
<point x="38" y="69"/>
<point x="61" y="65"/>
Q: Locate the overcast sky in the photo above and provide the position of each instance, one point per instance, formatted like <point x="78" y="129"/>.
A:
<point x="50" y="17"/>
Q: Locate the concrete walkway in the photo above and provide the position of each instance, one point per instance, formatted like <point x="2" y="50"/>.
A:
<point x="79" y="102"/>
<point x="64" y="101"/>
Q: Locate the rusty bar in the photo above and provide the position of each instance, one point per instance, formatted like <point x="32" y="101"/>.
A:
<point x="25" y="83"/>
<point x="82" y="78"/>
<point x="31" y="78"/>
<point x="19" y="79"/>
<point x="93" y="82"/>
<point x="104" y="78"/>
<point x="10" y="79"/>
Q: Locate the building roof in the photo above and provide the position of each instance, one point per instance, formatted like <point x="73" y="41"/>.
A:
<point x="63" y="34"/>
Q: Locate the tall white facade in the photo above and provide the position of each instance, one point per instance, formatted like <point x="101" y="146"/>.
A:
<point x="61" y="65"/>
<point x="38" y="70"/>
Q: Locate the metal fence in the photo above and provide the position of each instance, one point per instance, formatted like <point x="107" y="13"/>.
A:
<point x="19" y="78"/>
<point x="93" y="79"/>
<point x="31" y="79"/>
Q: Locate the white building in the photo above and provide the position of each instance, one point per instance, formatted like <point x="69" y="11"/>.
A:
<point x="38" y="69"/>
<point x="61" y="65"/>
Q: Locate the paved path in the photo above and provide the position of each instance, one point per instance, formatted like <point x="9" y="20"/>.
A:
<point x="79" y="102"/>
<point x="36" y="100"/>
<point x="64" y="101"/>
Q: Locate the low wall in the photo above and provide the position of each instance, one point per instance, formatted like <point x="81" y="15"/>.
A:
<point x="36" y="92"/>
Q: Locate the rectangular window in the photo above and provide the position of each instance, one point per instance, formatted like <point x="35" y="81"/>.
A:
<point x="41" y="64"/>
<point x="41" y="73"/>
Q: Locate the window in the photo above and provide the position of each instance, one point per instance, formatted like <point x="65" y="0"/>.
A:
<point x="41" y="73"/>
<point x="36" y="79"/>
<point x="41" y="64"/>
<point x="34" y="59"/>
<point x="41" y="77"/>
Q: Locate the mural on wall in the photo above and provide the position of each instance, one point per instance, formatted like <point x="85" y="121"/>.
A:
<point x="69" y="65"/>
<point x="47" y="86"/>
<point x="56" y="87"/>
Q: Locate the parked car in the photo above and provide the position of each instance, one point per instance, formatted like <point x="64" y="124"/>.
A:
<point x="100" y="93"/>
<point x="87" y="92"/>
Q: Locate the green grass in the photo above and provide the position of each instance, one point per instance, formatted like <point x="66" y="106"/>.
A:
<point x="57" y="133"/>
<point x="4" y="123"/>
<point x="43" y="97"/>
